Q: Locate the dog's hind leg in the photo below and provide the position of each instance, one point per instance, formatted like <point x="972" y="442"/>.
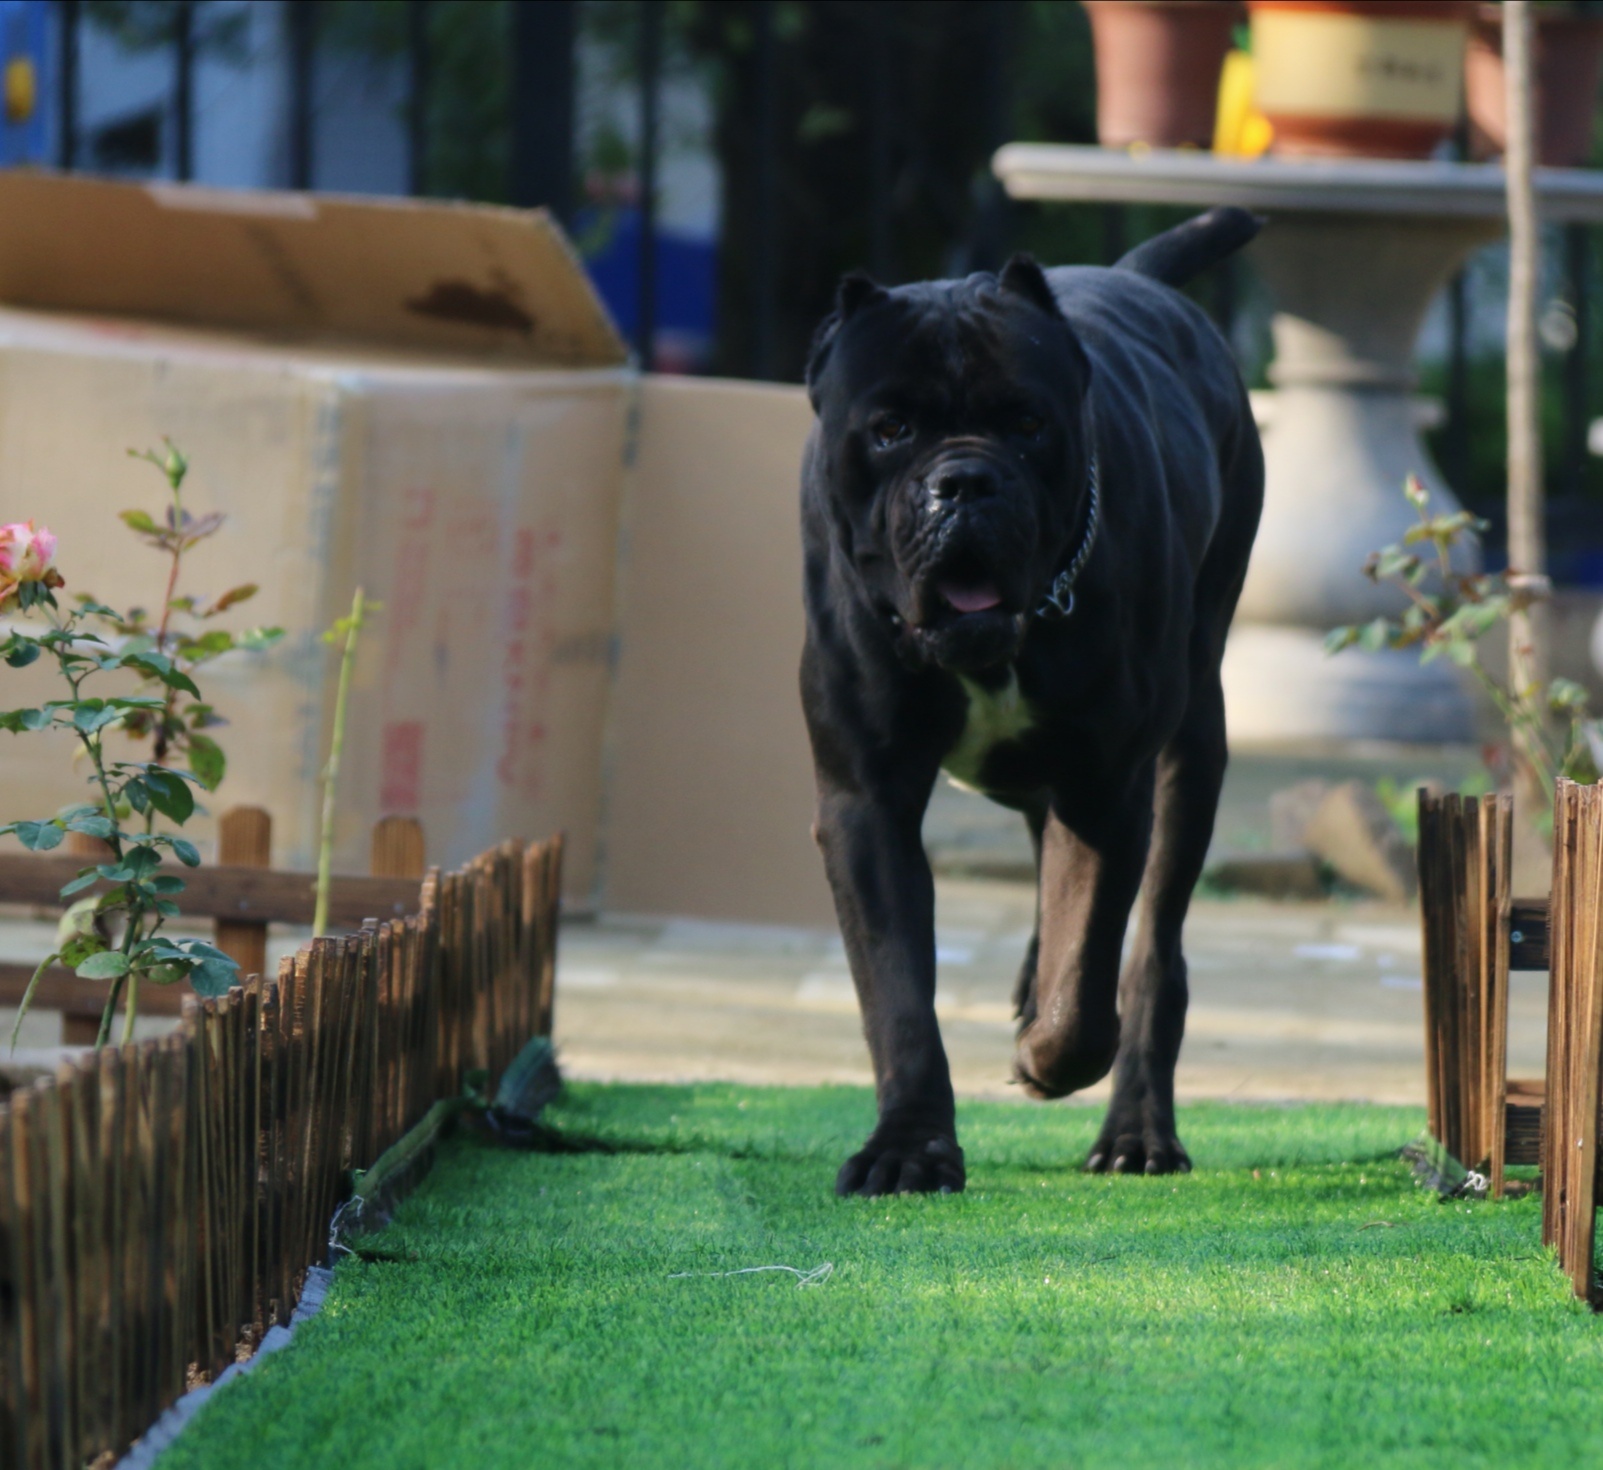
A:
<point x="1024" y="988"/>
<point x="1139" y="1134"/>
<point x="1092" y="853"/>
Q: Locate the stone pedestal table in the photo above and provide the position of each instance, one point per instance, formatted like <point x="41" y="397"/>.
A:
<point x="1352" y="254"/>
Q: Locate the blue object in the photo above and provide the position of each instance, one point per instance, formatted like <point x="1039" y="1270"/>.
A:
<point x="687" y="276"/>
<point x="24" y="70"/>
<point x="1580" y="566"/>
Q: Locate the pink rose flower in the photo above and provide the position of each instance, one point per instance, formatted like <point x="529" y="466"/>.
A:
<point x="27" y="554"/>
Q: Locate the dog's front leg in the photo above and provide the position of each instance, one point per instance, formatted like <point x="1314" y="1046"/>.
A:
<point x="885" y="899"/>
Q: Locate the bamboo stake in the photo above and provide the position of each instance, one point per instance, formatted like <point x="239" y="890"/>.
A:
<point x="1527" y="547"/>
<point x="350" y="627"/>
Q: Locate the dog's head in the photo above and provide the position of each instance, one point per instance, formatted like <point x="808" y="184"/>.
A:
<point x="952" y="448"/>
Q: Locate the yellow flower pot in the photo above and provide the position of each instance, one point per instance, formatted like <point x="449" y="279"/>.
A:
<point x="1382" y="79"/>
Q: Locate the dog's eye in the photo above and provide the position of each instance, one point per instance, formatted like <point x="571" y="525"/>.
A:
<point x="1028" y="424"/>
<point x="888" y="429"/>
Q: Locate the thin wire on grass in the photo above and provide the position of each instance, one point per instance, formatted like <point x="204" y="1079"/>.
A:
<point x="816" y="1277"/>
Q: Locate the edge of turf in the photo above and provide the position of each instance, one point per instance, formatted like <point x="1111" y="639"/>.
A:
<point x="530" y="1082"/>
<point x="157" y="1440"/>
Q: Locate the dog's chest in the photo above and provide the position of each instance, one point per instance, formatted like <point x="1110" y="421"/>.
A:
<point x="995" y="717"/>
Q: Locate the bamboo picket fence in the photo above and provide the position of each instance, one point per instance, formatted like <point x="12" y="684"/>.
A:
<point x="160" y="1203"/>
<point x="1475" y="932"/>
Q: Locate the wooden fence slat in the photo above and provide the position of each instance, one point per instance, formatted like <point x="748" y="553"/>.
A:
<point x="1570" y="1139"/>
<point x="1575" y="1034"/>
<point x="174" y="1054"/>
<point x="1584" y="1077"/>
<point x="13" y="1406"/>
<point x="244" y="840"/>
<point x="26" y="1213"/>
<point x="1435" y="888"/>
<point x="1497" y="865"/>
<point x="1464" y="867"/>
<point x="1574" y="1139"/>
<point x="1554" y="1126"/>
<point x="114" y="1143"/>
<point x="397" y="848"/>
<point x="60" y="1322"/>
<point x="269" y="1167"/>
<point x="293" y="977"/>
<point x="89" y="1286"/>
<point x="551" y="899"/>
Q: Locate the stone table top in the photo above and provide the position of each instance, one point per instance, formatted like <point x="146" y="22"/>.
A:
<point x="1065" y="171"/>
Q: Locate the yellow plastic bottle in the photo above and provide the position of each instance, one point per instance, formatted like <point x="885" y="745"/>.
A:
<point x="1240" y="130"/>
<point x="21" y="89"/>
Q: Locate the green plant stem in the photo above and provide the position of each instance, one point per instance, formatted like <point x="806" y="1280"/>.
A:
<point x="104" y="782"/>
<point x="130" y="934"/>
<point x="27" y="996"/>
<point x="91" y="747"/>
<point x="108" y="1011"/>
<point x="135" y="910"/>
<point x="158" y="748"/>
<point x="331" y="772"/>
<point x="132" y="1007"/>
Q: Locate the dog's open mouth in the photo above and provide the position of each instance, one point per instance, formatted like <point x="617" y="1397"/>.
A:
<point x="969" y="597"/>
<point x="964" y="586"/>
<point x="969" y="619"/>
<point x="965" y="608"/>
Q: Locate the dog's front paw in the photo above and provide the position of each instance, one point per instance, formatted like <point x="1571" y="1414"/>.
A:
<point x="903" y="1162"/>
<point x="1133" y="1142"/>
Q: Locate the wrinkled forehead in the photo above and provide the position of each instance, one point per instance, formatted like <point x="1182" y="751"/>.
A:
<point x="939" y="336"/>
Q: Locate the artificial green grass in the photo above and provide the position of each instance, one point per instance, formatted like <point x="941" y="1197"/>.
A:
<point x="1294" y="1302"/>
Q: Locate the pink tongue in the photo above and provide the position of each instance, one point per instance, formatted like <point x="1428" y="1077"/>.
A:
<point x="972" y="599"/>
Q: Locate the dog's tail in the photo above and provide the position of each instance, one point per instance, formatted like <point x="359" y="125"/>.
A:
<point x="1187" y="250"/>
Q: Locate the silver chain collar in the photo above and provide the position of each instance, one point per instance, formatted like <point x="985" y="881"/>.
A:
<point x="1059" y="602"/>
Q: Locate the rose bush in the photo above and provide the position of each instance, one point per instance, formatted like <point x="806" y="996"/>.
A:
<point x="115" y="932"/>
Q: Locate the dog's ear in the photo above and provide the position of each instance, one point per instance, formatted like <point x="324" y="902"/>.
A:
<point x="856" y="291"/>
<point x="1023" y="277"/>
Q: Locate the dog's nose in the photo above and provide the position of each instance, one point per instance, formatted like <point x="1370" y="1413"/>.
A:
<point x="963" y="480"/>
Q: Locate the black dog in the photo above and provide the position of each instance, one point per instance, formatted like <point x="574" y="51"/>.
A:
<point x="1027" y="507"/>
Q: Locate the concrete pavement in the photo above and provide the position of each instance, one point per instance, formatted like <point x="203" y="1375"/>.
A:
<point x="1317" y="1000"/>
<point x="1288" y="1000"/>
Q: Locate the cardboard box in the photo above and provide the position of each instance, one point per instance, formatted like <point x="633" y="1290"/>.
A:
<point x="710" y="797"/>
<point x="426" y="400"/>
<point x="423" y="399"/>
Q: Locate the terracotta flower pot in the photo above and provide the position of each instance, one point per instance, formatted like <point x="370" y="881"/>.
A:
<point x="1157" y="69"/>
<point x="1377" y="78"/>
<point x="1569" y="60"/>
